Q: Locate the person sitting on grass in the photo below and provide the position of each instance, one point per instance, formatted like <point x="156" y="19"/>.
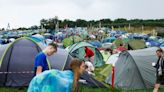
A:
<point x="58" y="81"/>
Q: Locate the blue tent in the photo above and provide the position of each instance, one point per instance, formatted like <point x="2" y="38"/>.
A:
<point x="162" y="45"/>
<point x="154" y="43"/>
<point x="96" y="43"/>
<point x="109" y="39"/>
<point x="38" y="39"/>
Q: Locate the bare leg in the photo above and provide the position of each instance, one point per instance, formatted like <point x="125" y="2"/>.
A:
<point x="156" y="87"/>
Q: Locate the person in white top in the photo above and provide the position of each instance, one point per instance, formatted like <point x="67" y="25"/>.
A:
<point x="89" y="67"/>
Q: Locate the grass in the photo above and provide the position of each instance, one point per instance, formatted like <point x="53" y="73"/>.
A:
<point x="13" y="90"/>
<point x="83" y="89"/>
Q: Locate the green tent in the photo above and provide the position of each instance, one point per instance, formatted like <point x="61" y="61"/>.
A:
<point x="84" y="35"/>
<point x="131" y="44"/>
<point x="136" y="44"/>
<point x="105" y="54"/>
<point x="123" y="41"/>
<point x="77" y="50"/>
<point x="71" y="40"/>
<point x="106" y="71"/>
<point x="118" y="41"/>
<point x="67" y="42"/>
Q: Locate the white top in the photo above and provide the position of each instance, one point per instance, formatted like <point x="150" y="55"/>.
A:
<point x="90" y="66"/>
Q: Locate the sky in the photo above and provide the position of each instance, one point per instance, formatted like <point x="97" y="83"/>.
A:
<point x="26" y="13"/>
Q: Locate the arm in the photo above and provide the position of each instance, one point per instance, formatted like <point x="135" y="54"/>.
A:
<point x="38" y="70"/>
<point x="39" y="63"/>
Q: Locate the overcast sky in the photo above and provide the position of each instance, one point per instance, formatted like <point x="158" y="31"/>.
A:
<point x="25" y="13"/>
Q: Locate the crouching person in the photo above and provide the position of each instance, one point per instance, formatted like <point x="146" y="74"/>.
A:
<point x="58" y="81"/>
<point x="89" y="68"/>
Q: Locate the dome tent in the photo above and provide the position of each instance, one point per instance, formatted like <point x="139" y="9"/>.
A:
<point x="77" y="50"/>
<point x="97" y="44"/>
<point x="136" y="44"/>
<point x="134" y="69"/>
<point x="17" y="63"/>
<point x="71" y="40"/>
<point x="38" y="38"/>
<point x="109" y="39"/>
<point x="122" y="41"/>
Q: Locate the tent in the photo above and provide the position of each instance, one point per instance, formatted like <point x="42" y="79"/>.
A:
<point x="17" y="63"/>
<point x="113" y="59"/>
<point x="17" y="59"/>
<point x="48" y="36"/>
<point x="160" y="33"/>
<point x="84" y="35"/>
<point x="153" y="43"/>
<point x="109" y="39"/>
<point x="134" y="69"/>
<point x="136" y="44"/>
<point x="96" y="43"/>
<point x="105" y="54"/>
<point x="106" y="71"/>
<point x="71" y="40"/>
<point x="38" y="38"/>
<point x="119" y="41"/>
<point x="162" y="45"/>
<point x="77" y="50"/>
<point x="108" y="45"/>
<point x="67" y="42"/>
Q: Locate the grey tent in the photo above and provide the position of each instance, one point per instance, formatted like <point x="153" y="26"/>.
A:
<point x="134" y="69"/>
<point x="17" y="62"/>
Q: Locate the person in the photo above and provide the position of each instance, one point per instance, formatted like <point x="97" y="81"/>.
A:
<point x="89" y="68"/>
<point x="89" y="54"/>
<point x="115" y="51"/>
<point x="159" y="69"/>
<point x="58" y="81"/>
<point x="121" y="48"/>
<point x="41" y="63"/>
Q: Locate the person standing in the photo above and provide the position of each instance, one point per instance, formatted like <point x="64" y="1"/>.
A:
<point x="159" y="69"/>
<point x="41" y="63"/>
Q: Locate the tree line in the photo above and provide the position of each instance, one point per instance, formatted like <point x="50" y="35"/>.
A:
<point x="53" y="23"/>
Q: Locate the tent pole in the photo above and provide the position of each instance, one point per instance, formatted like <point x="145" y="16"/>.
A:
<point x="112" y="77"/>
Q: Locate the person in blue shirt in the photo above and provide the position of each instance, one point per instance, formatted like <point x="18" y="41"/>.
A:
<point x="41" y="63"/>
